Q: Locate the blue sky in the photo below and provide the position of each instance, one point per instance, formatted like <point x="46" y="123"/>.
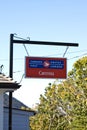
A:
<point x="48" y="20"/>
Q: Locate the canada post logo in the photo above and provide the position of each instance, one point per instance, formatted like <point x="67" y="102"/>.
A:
<point x="39" y="67"/>
<point x="46" y="64"/>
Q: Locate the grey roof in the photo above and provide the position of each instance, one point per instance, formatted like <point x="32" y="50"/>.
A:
<point x="15" y="103"/>
<point x="8" y="83"/>
<point x="5" y="79"/>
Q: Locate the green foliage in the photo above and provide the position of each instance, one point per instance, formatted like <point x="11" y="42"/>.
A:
<point x="64" y="105"/>
<point x="79" y="72"/>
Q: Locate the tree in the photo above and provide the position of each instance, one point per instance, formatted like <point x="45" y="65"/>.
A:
<point x="51" y="115"/>
<point x="79" y="72"/>
<point x="79" y="76"/>
<point x="64" y="105"/>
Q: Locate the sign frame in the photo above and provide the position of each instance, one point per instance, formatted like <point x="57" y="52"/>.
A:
<point x="35" y="68"/>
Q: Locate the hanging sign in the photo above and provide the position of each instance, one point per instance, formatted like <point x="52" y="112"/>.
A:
<point x="40" y="67"/>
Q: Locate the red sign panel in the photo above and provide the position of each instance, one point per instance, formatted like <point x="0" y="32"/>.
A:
<point x="38" y="67"/>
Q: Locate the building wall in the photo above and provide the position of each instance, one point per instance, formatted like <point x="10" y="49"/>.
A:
<point x="20" y="119"/>
<point x="1" y="111"/>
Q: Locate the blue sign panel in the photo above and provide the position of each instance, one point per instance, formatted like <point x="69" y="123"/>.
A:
<point x="51" y="64"/>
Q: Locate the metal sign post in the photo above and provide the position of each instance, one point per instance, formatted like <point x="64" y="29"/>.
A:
<point x="12" y="41"/>
<point x="11" y="76"/>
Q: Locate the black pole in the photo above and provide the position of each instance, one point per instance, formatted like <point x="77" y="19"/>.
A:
<point x="45" y="43"/>
<point x="11" y="56"/>
<point x="11" y="76"/>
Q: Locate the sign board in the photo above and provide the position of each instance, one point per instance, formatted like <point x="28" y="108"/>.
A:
<point x="40" y="67"/>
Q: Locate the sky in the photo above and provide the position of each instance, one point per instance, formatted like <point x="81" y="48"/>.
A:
<point x="47" y="20"/>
